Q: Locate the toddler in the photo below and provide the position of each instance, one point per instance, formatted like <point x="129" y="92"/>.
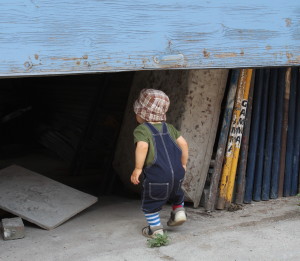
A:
<point x="161" y="155"/>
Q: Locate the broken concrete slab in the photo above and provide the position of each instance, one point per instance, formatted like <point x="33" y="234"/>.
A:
<point x="38" y="199"/>
<point x="13" y="228"/>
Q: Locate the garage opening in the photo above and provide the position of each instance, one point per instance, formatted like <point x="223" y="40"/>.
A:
<point x="65" y="127"/>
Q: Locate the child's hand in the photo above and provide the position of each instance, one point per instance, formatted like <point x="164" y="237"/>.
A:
<point x="135" y="176"/>
<point x="184" y="166"/>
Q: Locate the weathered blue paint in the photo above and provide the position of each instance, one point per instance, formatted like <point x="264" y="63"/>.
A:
<point x="261" y="140"/>
<point x="60" y="37"/>
<point x="277" y="133"/>
<point x="254" y="134"/>
<point x="268" y="155"/>
<point x="296" y="150"/>
<point x="290" y="135"/>
<point x="215" y="179"/>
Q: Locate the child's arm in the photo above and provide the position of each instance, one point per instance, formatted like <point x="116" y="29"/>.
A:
<point x="185" y="151"/>
<point x="140" y="156"/>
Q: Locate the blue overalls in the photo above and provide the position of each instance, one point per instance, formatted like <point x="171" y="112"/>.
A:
<point x="163" y="178"/>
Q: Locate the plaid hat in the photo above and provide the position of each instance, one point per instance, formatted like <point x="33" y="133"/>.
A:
<point x="152" y="105"/>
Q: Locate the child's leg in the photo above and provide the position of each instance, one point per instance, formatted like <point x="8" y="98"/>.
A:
<point x="174" y="206"/>
<point x="153" y="219"/>
<point x="155" y="227"/>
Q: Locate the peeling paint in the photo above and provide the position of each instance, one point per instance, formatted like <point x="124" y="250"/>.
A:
<point x="289" y="55"/>
<point x="206" y="54"/>
<point x="288" y="22"/>
<point x="225" y="55"/>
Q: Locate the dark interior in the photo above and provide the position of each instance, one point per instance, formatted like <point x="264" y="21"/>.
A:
<point x="65" y="127"/>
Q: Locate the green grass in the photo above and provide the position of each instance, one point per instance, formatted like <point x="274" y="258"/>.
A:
<point x="159" y="240"/>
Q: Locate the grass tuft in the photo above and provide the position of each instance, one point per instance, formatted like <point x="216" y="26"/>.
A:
<point x="159" y="240"/>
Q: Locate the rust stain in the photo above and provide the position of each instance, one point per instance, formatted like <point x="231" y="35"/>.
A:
<point x="288" y="22"/>
<point x="268" y="47"/>
<point x="206" y="54"/>
<point x="289" y="55"/>
<point x="295" y="61"/>
<point x="225" y="55"/>
<point x="70" y="58"/>
<point x="242" y="52"/>
<point x="36" y="56"/>
<point x="78" y="62"/>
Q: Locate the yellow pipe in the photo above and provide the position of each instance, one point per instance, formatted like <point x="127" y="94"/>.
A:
<point x="230" y="144"/>
<point x="245" y="81"/>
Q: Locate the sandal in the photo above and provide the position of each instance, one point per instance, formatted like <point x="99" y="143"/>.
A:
<point x="152" y="232"/>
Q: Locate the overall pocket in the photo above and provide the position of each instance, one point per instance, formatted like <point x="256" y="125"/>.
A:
<point x="158" y="191"/>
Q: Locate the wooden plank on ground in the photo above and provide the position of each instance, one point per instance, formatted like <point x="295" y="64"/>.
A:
<point x="38" y="199"/>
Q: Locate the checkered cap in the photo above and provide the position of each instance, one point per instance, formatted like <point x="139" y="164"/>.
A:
<point x="152" y="105"/>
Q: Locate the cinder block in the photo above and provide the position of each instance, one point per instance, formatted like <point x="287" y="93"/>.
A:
<point x="12" y="228"/>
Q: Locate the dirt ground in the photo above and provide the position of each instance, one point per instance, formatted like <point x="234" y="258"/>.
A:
<point x="111" y="230"/>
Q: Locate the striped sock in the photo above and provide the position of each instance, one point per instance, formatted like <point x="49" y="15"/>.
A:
<point x="153" y="219"/>
<point x="178" y="206"/>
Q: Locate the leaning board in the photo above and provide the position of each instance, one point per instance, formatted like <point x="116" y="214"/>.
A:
<point x="38" y="199"/>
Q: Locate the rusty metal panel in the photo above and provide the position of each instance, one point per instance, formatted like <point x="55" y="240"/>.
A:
<point x="63" y="37"/>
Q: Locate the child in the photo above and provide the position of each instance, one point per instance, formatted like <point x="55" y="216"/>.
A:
<point x="161" y="155"/>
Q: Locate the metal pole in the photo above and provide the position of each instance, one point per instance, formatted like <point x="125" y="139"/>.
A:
<point x="290" y="135"/>
<point x="296" y="154"/>
<point x="230" y="145"/>
<point x="254" y="134"/>
<point x="278" y="133"/>
<point x="213" y="189"/>
<point x="284" y="130"/>
<point x="245" y="81"/>
<point x="265" y="194"/>
<point x="242" y="165"/>
<point x="261" y="140"/>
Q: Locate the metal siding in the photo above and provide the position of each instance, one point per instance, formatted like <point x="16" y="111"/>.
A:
<point x="61" y="37"/>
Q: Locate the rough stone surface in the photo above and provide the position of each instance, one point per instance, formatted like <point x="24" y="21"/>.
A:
<point x="12" y="228"/>
<point x="196" y="97"/>
<point x="38" y="199"/>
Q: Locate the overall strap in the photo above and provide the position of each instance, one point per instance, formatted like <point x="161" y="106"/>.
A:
<point x="152" y="128"/>
<point x="164" y="128"/>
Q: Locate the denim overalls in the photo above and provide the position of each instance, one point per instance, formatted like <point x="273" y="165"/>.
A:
<point x="163" y="178"/>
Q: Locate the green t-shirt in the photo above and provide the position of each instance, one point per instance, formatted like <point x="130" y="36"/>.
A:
<point x="142" y="133"/>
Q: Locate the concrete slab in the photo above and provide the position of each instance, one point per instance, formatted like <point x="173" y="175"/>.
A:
<point x="38" y="199"/>
<point x="111" y="230"/>
<point x="196" y="97"/>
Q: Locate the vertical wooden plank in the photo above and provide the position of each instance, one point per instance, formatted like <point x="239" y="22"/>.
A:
<point x="242" y="165"/>
<point x="254" y="135"/>
<point x="278" y="132"/>
<point x="265" y="195"/>
<point x="284" y="130"/>
<point x="213" y="189"/>
<point x="290" y="135"/>
<point x="296" y="149"/>
<point x="261" y="140"/>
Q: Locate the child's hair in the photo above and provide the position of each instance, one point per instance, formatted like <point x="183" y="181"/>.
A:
<point x="152" y="105"/>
